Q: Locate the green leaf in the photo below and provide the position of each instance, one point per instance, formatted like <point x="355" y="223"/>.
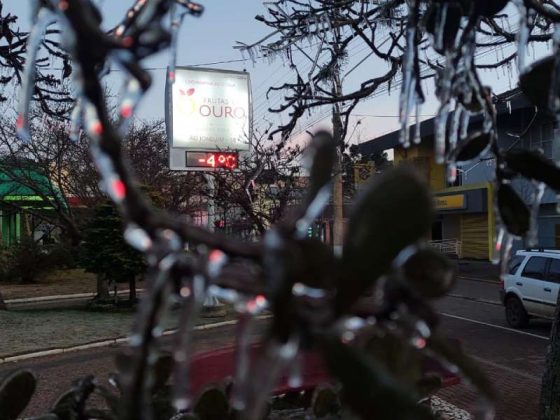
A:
<point x="455" y="356"/>
<point x="367" y="389"/>
<point x="395" y="211"/>
<point x="429" y="273"/>
<point x="212" y="405"/>
<point x="15" y="393"/>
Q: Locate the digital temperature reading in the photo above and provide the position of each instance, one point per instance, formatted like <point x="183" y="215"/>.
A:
<point x="212" y="160"/>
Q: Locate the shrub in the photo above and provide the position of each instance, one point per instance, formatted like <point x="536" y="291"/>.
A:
<point x="25" y="262"/>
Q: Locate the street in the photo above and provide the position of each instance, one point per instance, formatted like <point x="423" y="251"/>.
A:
<point x="513" y="359"/>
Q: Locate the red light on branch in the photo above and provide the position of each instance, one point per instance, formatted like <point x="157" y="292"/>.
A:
<point x="212" y="160"/>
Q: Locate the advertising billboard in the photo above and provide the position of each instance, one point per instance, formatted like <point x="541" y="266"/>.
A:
<point x="208" y="110"/>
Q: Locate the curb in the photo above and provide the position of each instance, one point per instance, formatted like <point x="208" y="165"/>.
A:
<point x="59" y="297"/>
<point x="479" y="279"/>
<point x="109" y="342"/>
<point x="474" y="299"/>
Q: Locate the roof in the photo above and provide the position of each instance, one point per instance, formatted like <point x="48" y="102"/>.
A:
<point x="505" y="103"/>
<point x="23" y="184"/>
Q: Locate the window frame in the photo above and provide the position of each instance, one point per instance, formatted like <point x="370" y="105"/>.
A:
<point x="548" y="270"/>
<point x="545" y="269"/>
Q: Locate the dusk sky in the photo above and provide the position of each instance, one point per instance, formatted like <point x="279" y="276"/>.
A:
<point x="210" y="40"/>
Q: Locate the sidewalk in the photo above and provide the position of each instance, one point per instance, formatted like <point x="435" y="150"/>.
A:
<point x="479" y="270"/>
<point x="518" y="394"/>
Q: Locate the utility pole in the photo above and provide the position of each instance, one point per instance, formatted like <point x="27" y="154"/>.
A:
<point x="338" y="195"/>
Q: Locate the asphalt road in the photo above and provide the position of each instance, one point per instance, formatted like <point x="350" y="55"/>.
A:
<point x="56" y="373"/>
<point x="513" y="359"/>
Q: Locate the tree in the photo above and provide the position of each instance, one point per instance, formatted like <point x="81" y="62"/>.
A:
<point x="261" y="192"/>
<point x="55" y="169"/>
<point x="50" y="92"/>
<point x="146" y="147"/>
<point x="105" y="252"/>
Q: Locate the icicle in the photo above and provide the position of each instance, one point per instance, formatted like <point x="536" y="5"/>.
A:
<point x="441" y="27"/>
<point x="417" y="136"/>
<point x="465" y="125"/>
<point x="76" y="121"/>
<point x="451" y="172"/>
<point x="182" y="352"/>
<point x="295" y="378"/>
<point x="505" y="254"/>
<point x="274" y="359"/>
<point x="245" y="328"/>
<point x="228" y="295"/>
<point x="441" y="125"/>
<point x="137" y="237"/>
<point x="554" y="99"/>
<point x="532" y="235"/>
<point x="499" y="243"/>
<point x="216" y="261"/>
<point x="251" y="52"/>
<point x="313" y="211"/>
<point x="407" y="97"/>
<point x="455" y="126"/>
<point x="44" y="18"/>
<point x="522" y="35"/>
<point x="139" y="379"/>
<point x="131" y="97"/>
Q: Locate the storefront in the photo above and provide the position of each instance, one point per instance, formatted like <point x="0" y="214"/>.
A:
<point x="462" y="215"/>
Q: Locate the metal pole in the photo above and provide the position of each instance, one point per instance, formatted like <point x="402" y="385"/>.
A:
<point x="211" y="301"/>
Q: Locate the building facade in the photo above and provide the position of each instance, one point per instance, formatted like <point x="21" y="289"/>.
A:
<point x="465" y="208"/>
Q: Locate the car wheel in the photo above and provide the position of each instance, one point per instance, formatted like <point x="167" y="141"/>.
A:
<point x="516" y="315"/>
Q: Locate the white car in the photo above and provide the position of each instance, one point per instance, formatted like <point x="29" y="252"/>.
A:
<point x="531" y="286"/>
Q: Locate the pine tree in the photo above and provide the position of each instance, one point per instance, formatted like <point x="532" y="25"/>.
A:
<point x="105" y="252"/>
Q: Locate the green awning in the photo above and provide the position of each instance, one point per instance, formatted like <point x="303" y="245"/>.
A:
<point x="13" y="191"/>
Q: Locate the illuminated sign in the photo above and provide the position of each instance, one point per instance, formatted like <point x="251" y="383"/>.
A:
<point x="450" y="202"/>
<point x="212" y="160"/>
<point x="207" y="110"/>
<point x="210" y="109"/>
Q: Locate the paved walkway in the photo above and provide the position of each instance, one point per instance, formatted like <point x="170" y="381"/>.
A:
<point x="483" y="270"/>
<point x="518" y="394"/>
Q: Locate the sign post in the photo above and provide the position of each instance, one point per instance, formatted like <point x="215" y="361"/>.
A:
<point x="209" y="124"/>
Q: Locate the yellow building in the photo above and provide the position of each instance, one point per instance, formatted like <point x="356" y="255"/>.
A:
<point x="464" y="213"/>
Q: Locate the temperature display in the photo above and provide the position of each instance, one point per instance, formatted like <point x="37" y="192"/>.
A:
<point x="212" y="160"/>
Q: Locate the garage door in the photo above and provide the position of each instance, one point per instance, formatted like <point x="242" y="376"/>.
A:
<point x="474" y="236"/>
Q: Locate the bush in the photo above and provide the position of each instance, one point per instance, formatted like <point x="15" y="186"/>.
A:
<point x="27" y="261"/>
<point x="63" y="255"/>
<point x="24" y="262"/>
